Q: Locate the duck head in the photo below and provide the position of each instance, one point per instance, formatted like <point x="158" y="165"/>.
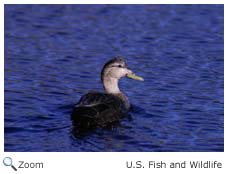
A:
<point x="112" y="71"/>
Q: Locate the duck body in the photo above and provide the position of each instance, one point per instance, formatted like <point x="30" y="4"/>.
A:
<point x="101" y="109"/>
<point x="97" y="109"/>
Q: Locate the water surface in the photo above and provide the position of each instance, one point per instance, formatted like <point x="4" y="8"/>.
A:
<point x="54" y="54"/>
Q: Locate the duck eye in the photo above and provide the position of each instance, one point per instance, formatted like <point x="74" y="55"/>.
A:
<point x="120" y="66"/>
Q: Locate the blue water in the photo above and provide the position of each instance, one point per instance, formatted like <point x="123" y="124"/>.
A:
<point x="54" y="54"/>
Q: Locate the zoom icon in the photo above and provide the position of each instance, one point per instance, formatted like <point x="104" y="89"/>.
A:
<point x="7" y="161"/>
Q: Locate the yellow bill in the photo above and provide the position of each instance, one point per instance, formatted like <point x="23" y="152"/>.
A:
<point x="135" y="77"/>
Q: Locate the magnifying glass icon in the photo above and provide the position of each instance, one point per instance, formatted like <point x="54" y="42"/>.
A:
<point x="7" y="161"/>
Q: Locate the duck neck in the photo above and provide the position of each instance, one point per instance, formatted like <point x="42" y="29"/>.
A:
<point x="111" y="85"/>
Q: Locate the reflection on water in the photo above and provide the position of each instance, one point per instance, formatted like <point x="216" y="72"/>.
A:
<point x="55" y="55"/>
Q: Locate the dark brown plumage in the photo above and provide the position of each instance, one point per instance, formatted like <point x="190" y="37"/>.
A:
<point x="96" y="109"/>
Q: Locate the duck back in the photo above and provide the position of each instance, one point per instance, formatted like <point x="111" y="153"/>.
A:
<point x="96" y="109"/>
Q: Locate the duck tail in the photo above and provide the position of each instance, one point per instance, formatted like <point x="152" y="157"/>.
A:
<point x="83" y="117"/>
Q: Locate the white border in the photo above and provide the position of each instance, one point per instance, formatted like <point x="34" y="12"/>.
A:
<point x="100" y="162"/>
<point x="115" y="2"/>
<point x="2" y="78"/>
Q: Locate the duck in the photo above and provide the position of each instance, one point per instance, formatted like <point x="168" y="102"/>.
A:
<point x="101" y="109"/>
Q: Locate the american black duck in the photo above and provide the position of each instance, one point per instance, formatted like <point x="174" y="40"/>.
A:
<point x="100" y="109"/>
